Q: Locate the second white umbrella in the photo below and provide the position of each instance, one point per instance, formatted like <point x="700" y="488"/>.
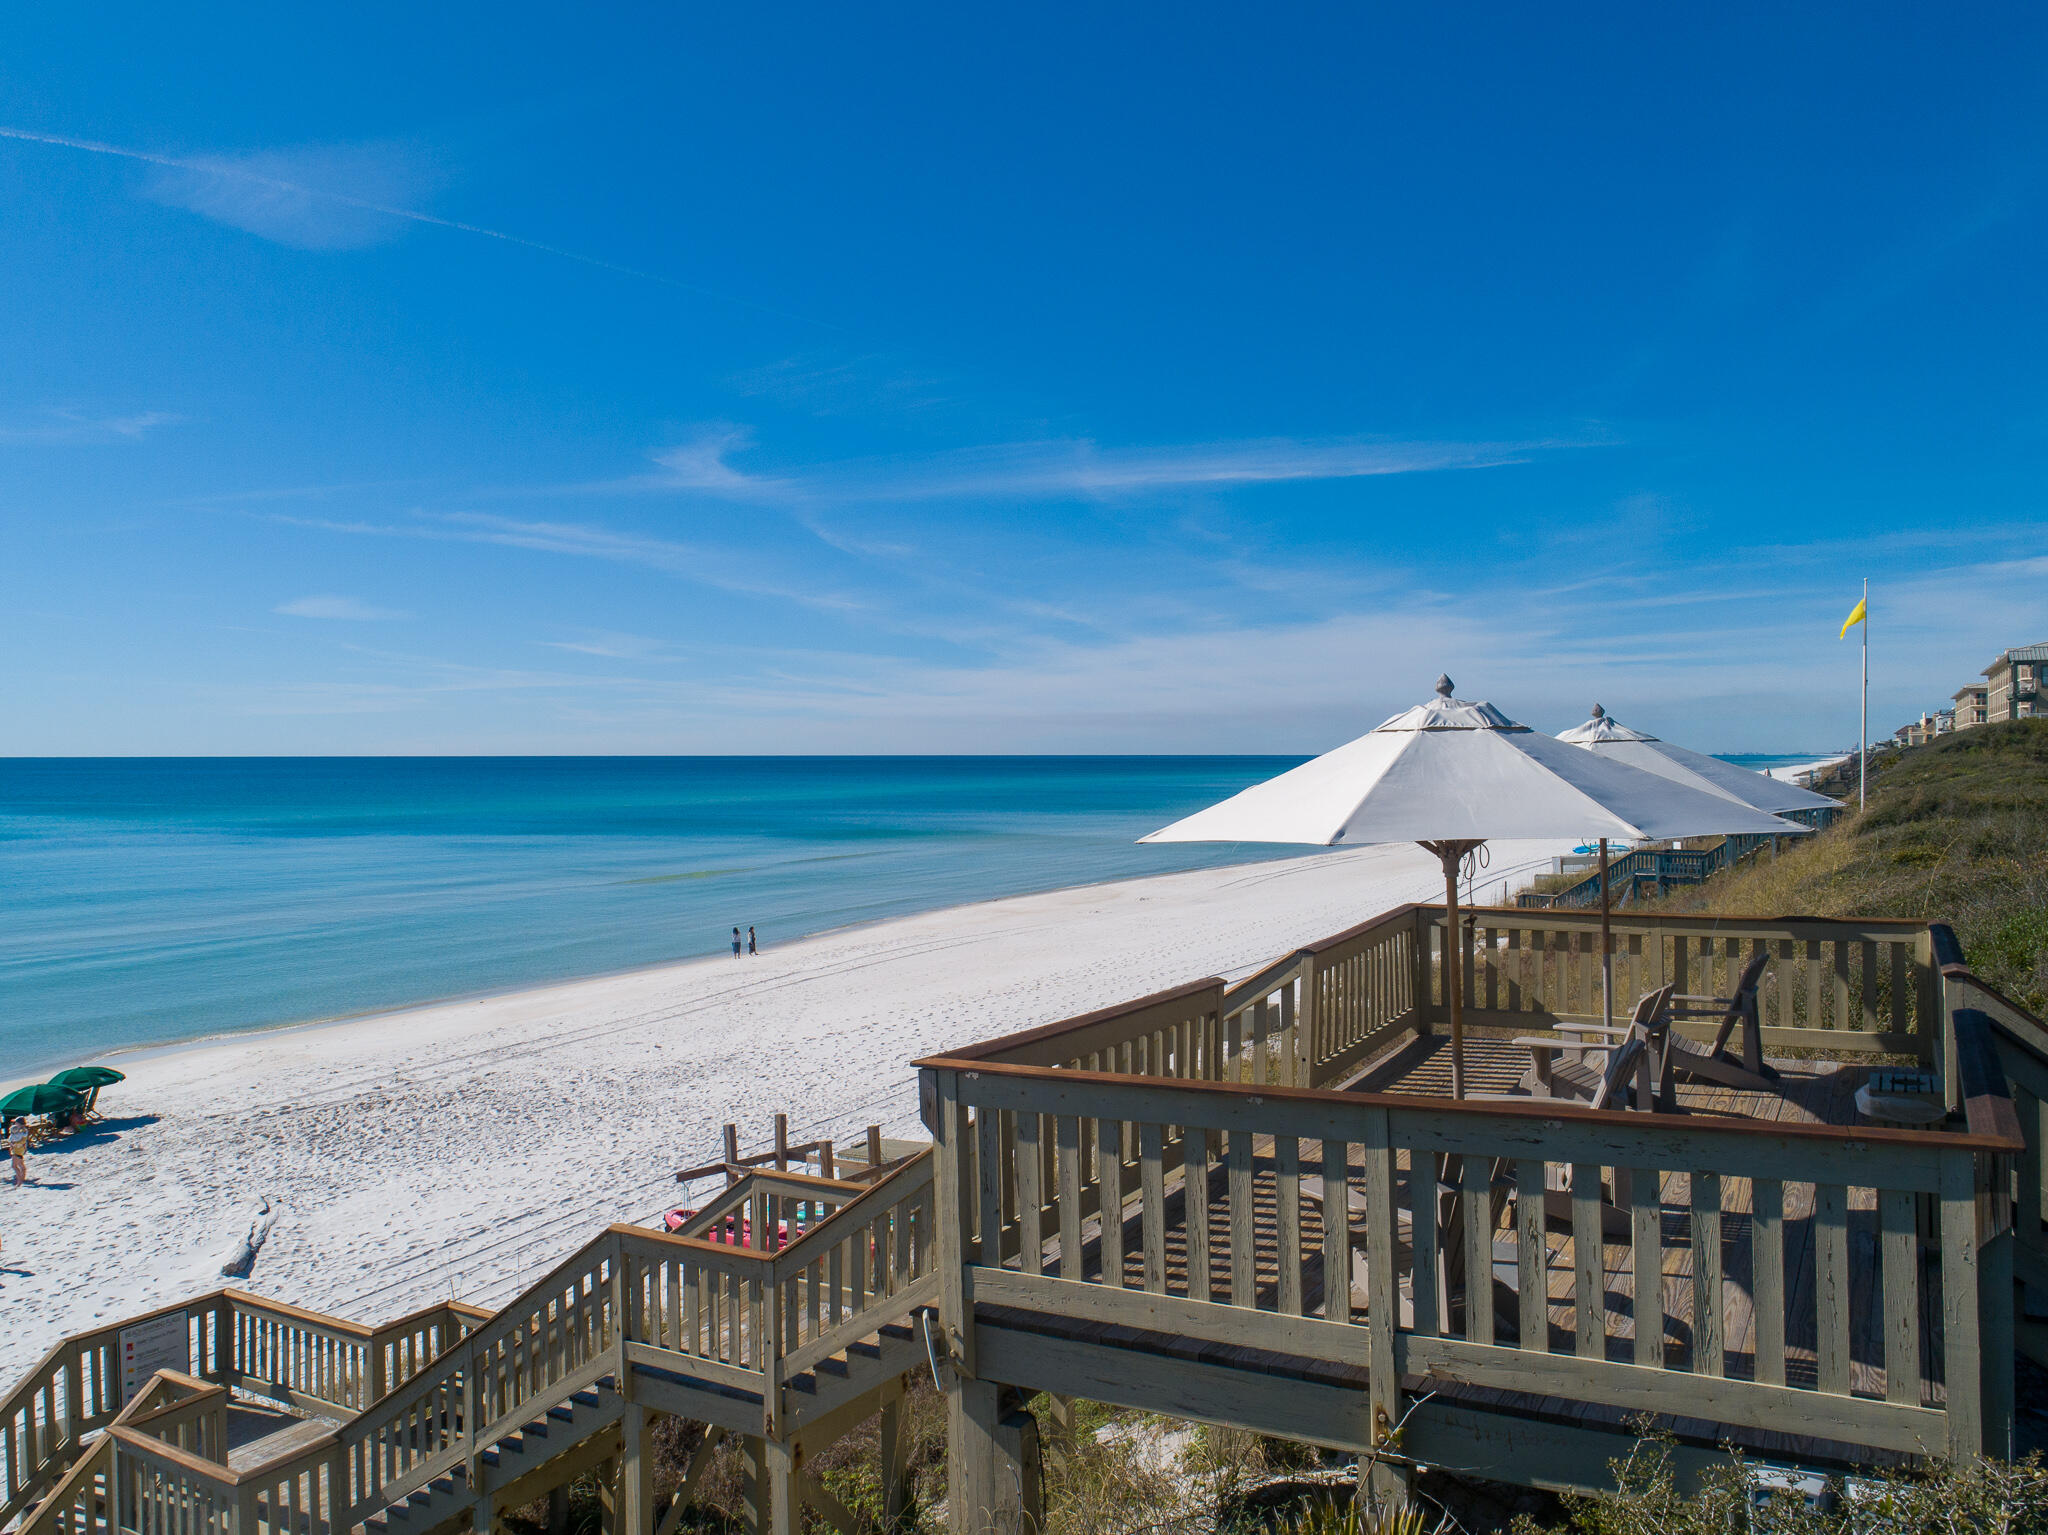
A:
<point x="1450" y="774"/>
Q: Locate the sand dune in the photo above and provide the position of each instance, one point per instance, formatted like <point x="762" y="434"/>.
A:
<point x="464" y="1147"/>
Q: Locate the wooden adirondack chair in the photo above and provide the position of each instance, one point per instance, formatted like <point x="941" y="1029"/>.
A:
<point x="1585" y="1067"/>
<point x="1715" y="1063"/>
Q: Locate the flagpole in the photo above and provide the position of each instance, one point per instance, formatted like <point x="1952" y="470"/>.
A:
<point x="1863" y="715"/>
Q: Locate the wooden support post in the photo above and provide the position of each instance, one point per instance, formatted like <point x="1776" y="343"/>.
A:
<point x="895" y="1466"/>
<point x="754" y="1486"/>
<point x="558" y="1510"/>
<point x="994" y="1483"/>
<point x="785" y="1514"/>
<point x="732" y="1155"/>
<point x="608" y="1497"/>
<point x="1996" y="1302"/>
<point x="782" y="1143"/>
<point x="636" y="1473"/>
<point x="874" y="1147"/>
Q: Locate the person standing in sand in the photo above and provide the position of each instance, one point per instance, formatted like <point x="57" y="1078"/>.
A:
<point x="17" y="1148"/>
<point x="735" y="943"/>
<point x="750" y="940"/>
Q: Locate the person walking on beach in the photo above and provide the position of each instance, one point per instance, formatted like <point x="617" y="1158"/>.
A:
<point x="17" y="1148"/>
<point x="735" y="943"/>
<point x="750" y="939"/>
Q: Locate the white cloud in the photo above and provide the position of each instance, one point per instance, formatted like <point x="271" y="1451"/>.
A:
<point x="317" y="197"/>
<point x="77" y="426"/>
<point x="611" y="646"/>
<point x="1066" y="468"/>
<point x="353" y="609"/>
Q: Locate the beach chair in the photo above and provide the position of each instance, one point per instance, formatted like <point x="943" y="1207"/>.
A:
<point x="1598" y="1069"/>
<point x="1715" y="1062"/>
<point x="1585" y="1066"/>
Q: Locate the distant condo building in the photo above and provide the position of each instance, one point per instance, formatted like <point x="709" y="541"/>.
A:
<point x="2012" y="690"/>
<point x="1927" y="727"/>
<point x="1971" y="708"/>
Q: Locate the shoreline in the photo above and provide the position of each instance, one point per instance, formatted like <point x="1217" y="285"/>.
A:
<point x="119" y="1055"/>
<point x="462" y="1147"/>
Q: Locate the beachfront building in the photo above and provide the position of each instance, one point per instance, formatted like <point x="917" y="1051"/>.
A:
<point x="2013" y="684"/>
<point x="1972" y="707"/>
<point x="1926" y="728"/>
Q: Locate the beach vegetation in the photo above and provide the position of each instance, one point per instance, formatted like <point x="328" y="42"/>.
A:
<point x="1955" y="831"/>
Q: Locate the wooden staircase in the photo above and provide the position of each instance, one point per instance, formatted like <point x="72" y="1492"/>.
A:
<point x="451" y="1416"/>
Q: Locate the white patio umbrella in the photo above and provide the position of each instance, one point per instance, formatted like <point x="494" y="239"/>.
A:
<point x="1607" y="736"/>
<point x="1450" y="775"/>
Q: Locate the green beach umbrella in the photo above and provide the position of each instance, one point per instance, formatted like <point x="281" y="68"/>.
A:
<point x="43" y="1098"/>
<point x="88" y="1080"/>
<point x="83" y="1079"/>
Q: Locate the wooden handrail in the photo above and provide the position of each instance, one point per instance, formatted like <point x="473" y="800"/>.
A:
<point x="1251" y="1095"/>
<point x="1987" y="1099"/>
<point x="907" y="1180"/>
<point x="1049" y="1031"/>
<point x="1239" y="996"/>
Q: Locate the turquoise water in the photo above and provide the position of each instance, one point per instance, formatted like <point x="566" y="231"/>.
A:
<point x="147" y="901"/>
<point x="1763" y="762"/>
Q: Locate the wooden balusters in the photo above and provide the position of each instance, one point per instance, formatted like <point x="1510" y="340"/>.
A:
<point x="1243" y="1256"/>
<point x="1767" y="1276"/>
<point x="1287" y="1192"/>
<point x="1589" y="1274"/>
<point x="1532" y="1267"/>
<point x="1336" y="1234"/>
<point x="1152" y="1206"/>
<point x="1709" y="1345"/>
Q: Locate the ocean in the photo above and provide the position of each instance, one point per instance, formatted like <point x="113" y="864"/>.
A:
<point x="149" y="900"/>
<point x="145" y="901"/>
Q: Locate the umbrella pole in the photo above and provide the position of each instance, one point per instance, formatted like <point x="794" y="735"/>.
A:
<point x="1606" y="944"/>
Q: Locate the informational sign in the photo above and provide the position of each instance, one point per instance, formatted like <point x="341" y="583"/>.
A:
<point x="161" y="1343"/>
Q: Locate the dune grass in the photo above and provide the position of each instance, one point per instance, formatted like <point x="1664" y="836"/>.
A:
<point x="1956" y="831"/>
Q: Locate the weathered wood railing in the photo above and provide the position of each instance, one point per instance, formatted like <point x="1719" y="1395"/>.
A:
<point x="1066" y="1184"/>
<point x="1862" y="986"/>
<point x="1433" y="1186"/>
<point x="303" y="1358"/>
<point x="736" y="1316"/>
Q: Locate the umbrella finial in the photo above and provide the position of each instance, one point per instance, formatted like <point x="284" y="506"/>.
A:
<point x="1599" y="713"/>
<point x="1443" y="685"/>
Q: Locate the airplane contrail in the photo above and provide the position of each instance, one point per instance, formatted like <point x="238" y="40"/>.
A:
<point x="219" y="168"/>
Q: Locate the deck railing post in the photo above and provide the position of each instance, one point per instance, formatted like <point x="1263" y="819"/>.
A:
<point x="1419" y="972"/>
<point x="1996" y="1301"/>
<point x="1962" y="1361"/>
<point x="1383" y="1300"/>
<point x="953" y="1193"/>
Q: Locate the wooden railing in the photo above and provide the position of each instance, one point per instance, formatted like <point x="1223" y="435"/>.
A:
<point x="302" y="1358"/>
<point x="743" y="1317"/>
<point x="173" y="1409"/>
<point x="1192" y="1203"/>
<point x="1863" y="985"/>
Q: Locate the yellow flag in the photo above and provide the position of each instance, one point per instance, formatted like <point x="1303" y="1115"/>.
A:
<point x="1855" y="617"/>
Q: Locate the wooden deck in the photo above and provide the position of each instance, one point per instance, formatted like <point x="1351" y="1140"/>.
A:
<point x="1808" y="1092"/>
<point x="1811" y="1092"/>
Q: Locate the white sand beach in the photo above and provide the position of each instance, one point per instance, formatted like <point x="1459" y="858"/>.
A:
<point x="462" y="1147"/>
<point x="1801" y="772"/>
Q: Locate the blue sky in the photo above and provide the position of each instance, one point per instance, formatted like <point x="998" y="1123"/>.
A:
<point x="707" y="379"/>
